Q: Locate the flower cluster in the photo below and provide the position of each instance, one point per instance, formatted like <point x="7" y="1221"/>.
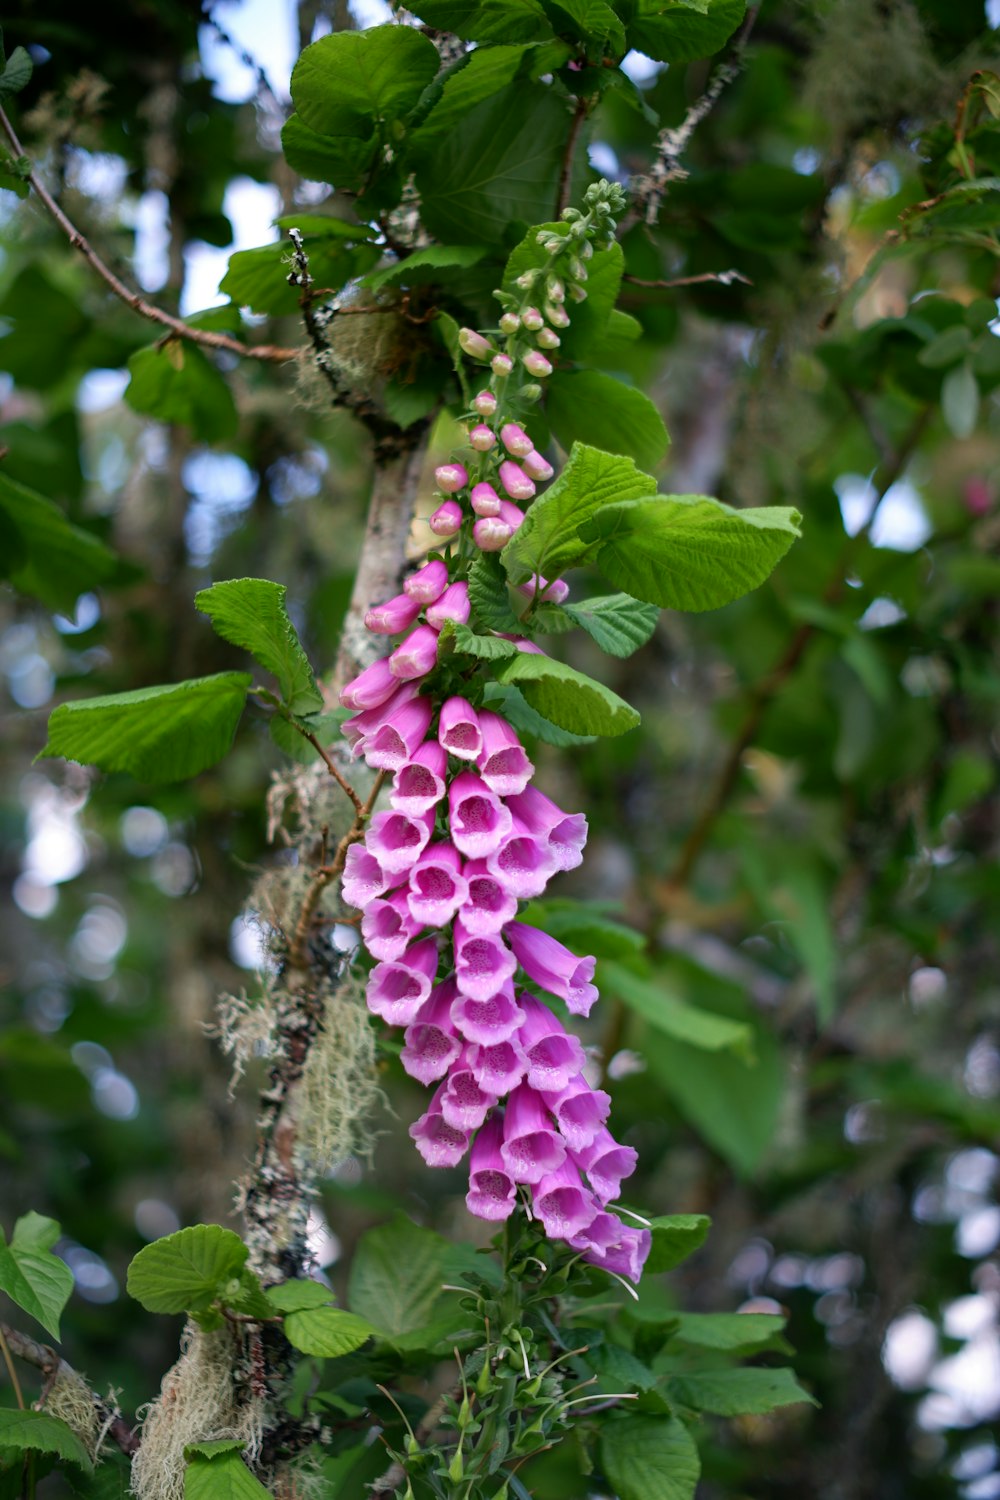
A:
<point x="467" y="838"/>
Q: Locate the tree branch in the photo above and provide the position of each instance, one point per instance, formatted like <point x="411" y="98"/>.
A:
<point x="724" y="278"/>
<point x="176" y="326"/>
<point x="51" y="1365"/>
<point x="566" y="171"/>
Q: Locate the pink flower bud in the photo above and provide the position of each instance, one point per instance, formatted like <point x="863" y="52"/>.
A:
<point x="447" y="519"/>
<point x="485" y="500"/>
<point x="452" y="605"/>
<point x="513" y="515"/>
<point x="537" y="467"/>
<point x="482" y="438"/>
<point x="490" y="534"/>
<point x="415" y="656"/>
<point x="515" y="439"/>
<point x="556" y="290"/>
<point x="977" y="495"/>
<point x="556" y="592"/>
<point x="501" y="364"/>
<point x="532" y="319"/>
<point x="557" y="316"/>
<point x="536" y="363"/>
<point x="428" y="583"/>
<point x="548" y="339"/>
<point x="370" y="688"/>
<point x="485" y="403"/>
<point x="451" y="478"/>
<point x="577" y="293"/>
<point x="515" y="481"/>
<point x="474" y="344"/>
<point x="526" y="280"/>
<point x="510" y="323"/>
<point x="393" y="616"/>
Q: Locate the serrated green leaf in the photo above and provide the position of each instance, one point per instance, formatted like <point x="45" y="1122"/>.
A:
<point x="729" y="1331"/>
<point x="688" y="551"/>
<point x="186" y="1271"/>
<point x="32" y="1277"/>
<point x="396" y="1276"/>
<point x="734" y="1393"/>
<point x="674" y="31"/>
<point x="483" y="73"/>
<point x="675" y="1237"/>
<point x="225" y="1477"/>
<point x="213" y="1449"/>
<point x="456" y="637"/>
<point x="45" y="555"/>
<point x="342" y="160"/>
<point x="685" y="1023"/>
<point x="36" y="1430"/>
<point x="548" y="540"/>
<point x="347" y="80"/>
<point x="17" y="73"/>
<point x="488" y="20"/>
<point x="250" y="612"/>
<point x="620" y="1368"/>
<point x="298" y="1296"/>
<point x="175" y="382"/>
<point x="156" y="734"/>
<point x="327" y="1332"/>
<point x="618" y="623"/>
<point x="611" y="415"/>
<point x="426" y="265"/>
<point x="512" y="704"/>
<point x="593" y="21"/>
<point x="488" y="595"/>
<point x="650" y="1458"/>
<point x="567" y="697"/>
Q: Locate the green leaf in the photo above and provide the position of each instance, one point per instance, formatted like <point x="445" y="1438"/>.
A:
<point x="732" y="1332"/>
<point x="38" y="1281"/>
<point x="674" y="31"/>
<point x="567" y="697"/>
<point x="156" y="734"/>
<point x="686" y="1023"/>
<point x="501" y="169"/>
<point x="650" y="1458"/>
<point x="396" y="1275"/>
<point x="512" y="704"/>
<point x="298" y="1296"/>
<point x="733" y="1393"/>
<point x="347" y="80"/>
<point x="326" y="1331"/>
<point x="288" y="739"/>
<point x="488" y="593"/>
<point x="608" y="413"/>
<point x="593" y="21"/>
<point x="487" y="20"/>
<point x="548" y="540"/>
<point x="675" y="1237"/>
<point x="618" y="623"/>
<point x="447" y="329"/>
<point x="461" y="638"/>
<point x="426" y="265"/>
<point x="584" y="929"/>
<point x="687" y="551"/>
<point x="16" y="74"/>
<point x="250" y="612"/>
<point x="44" y="1434"/>
<point x="213" y="1448"/>
<point x="258" y="278"/>
<point x="947" y="348"/>
<point x="225" y="1477"/>
<point x="175" y="382"/>
<point x="482" y="73"/>
<point x="186" y="1271"/>
<point x="46" y="556"/>
<point x="342" y="160"/>
<point x="960" y="400"/>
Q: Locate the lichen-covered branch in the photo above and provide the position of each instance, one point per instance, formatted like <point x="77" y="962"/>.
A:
<point x="108" y="1421"/>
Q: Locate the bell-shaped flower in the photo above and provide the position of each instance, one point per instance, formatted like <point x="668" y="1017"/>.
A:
<point x="458" y="729"/>
<point x="463" y="1103"/>
<point x="492" y="1193"/>
<point x="562" y="1202"/>
<point x="580" y="1111"/>
<point x="370" y="688"/>
<point x="364" y="726"/>
<point x="606" y="1163"/>
<point x="452" y="605"/>
<point x="397" y="990"/>
<point x="524" y="864"/>
<point x="431" y="1043"/>
<point x="416" y="655"/>
<point x="437" y="886"/>
<point x="420" y="784"/>
<point x="483" y="965"/>
<point x="488" y="1022"/>
<point x="364" y="878"/>
<point x="554" y="1056"/>
<point x="478" y="820"/>
<point x="553" y="967"/>
<point x="393" y="616"/>
<point x="497" y="1068"/>
<point x="397" y="839"/>
<point x="440" y="1144"/>
<point x="387" y="927"/>
<point x="532" y="1147"/>
<point x="566" y="832"/>
<point x="503" y="761"/>
<point x="427" y="583"/>
<point x="614" y="1246"/>
<point x="396" y="740"/>
<point x="490" y="905"/>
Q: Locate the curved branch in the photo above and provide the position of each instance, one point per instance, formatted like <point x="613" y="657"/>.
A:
<point x="51" y="1365"/>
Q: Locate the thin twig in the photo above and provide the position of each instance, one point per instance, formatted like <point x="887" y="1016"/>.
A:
<point x="338" y="776"/>
<point x="178" y="328"/>
<point x="724" y="278"/>
<point x="298" y="952"/>
<point x="566" y="171"/>
<point x="11" y="1371"/>
<point x="50" y="1364"/>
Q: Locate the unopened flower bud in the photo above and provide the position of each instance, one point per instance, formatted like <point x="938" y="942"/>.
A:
<point x="515" y="439"/>
<point x="556" y="289"/>
<point x="570" y="215"/>
<point x="531" y="392"/>
<point x="447" y="519"/>
<point x="526" y="280"/>
<point x="428" y="583"/>
<point x="474" y="344"/>
<point x="482" y="438"/>
<point x="578" y="293"/>
<point x="532" y="319"/>
<point x="516" y="482"/>
<point x="536" y="363"/>
<point x="586" y="250"/>
<point x="553" y="244"/>
<point x="512" y="515"/>
<point x="451" y="478"/>
<point x="485" y="500"/>
<point x="501" y="364"/>
<point x="510" y="323"/>
<point x="485" y="403"/>
<point x="548" y="339"/>
<point x="490" y="534"/>
<point x="557" y="316"/>
<point x="537" y="467"/>
<point x="577" y="269"/>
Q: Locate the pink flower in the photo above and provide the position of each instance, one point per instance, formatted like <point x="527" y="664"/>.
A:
<point x="501" y="365"/>
<point x="485" y="403"/>
<point x="387" y="928"/>
<point x="554" y="1057"/>
<point x="497" y="1068"/>
<point x="427" y="583"/>
<point x="503" y="761"/>
<point x="364" y="725"/>
<point x="394" y="615"/>
<point x="554" y="593"/>
<point x="452" y="605"/>
<point x="397" y="990"/>
<point x="491" y="1192"/>
<point x="580" y="1111"/>
<point x="478" y="820"/>
<point x="511" y="514"/>
<point x="524" y="864"/>
<point x="515" y="440"/>
<point x="557" y="316"/>
<point x="562" y="1203"/>
<point x="431" y="1044"/>
<point x="450" y="478"/>
<point x="537" y="467"/>
<point x="482" y="438"/>
<point x="485" y="500"/>
<point x="566" y="832"/>
<point x="458" y="729"/>
<point x="437" y="886"/>
<point x="395" y="741"/>
<point x="490" y="534"/>
<point x="419" y="784"/>
<point x="416" y="655"/>
<point x="532" y="319"/>
<point x="606" y="1163"/>
<point x="473" y="344"/>
<point x="370" y="688"/>
<point x="483" y="965"/>
<point x="363" y="879"/>
<point x="510" y="323"/>
<point x="536" y="363"/>
<point x="447" y="519"/>
<point x="515" y="481"/>
<point x="463" y="1103"/>
<point x="614" y="1246"/>
<point x="531" y="1145"/>
<point x="488" y="1022"/>
<point x="490" y="905"/>
<point x="548" y="339"/>
<point x="396" y="838"/>
<point x="553" y="967"/>
<point x="439" y="1143"/>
